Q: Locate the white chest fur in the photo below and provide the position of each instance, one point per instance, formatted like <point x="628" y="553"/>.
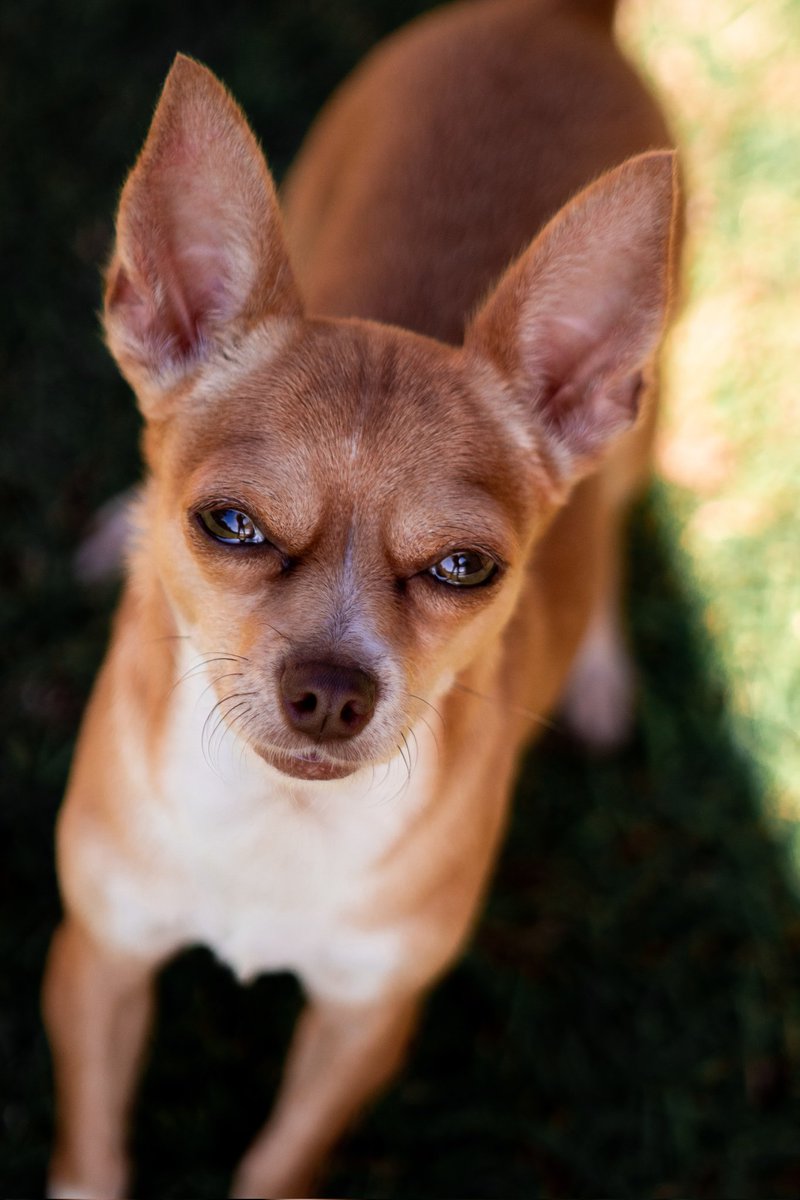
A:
<point x="271" y="873"/>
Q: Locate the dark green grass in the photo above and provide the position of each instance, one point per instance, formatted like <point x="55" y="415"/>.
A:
<point x="627" y="1021"/>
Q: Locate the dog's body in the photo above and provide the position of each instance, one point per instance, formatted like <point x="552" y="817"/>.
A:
<point x="300" y="749"/>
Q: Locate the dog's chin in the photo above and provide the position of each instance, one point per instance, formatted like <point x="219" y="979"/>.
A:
<point x="310" y="765"/>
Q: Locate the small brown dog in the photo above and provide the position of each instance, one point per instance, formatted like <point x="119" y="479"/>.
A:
<point x="386" y="478"/>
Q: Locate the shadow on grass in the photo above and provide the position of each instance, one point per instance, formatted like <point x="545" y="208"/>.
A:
<point x="626" y="1022"/>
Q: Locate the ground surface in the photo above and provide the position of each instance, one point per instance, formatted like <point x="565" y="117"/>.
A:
<point x="627" y="1021"/>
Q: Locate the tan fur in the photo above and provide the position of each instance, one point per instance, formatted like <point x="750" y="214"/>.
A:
<point x="368" y="395"/>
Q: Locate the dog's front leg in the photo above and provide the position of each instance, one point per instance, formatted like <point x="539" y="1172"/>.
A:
<point x="339" y="1058"/>
<point x="97" y="1008"/>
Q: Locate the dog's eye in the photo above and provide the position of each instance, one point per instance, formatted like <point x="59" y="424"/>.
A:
<point x="464" y="568"/>
<point x="231" y="526"/>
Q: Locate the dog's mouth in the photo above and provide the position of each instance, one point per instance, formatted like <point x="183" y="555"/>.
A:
<point x="309" y="765"/>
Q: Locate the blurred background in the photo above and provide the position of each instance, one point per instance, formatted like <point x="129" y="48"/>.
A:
<point x="627" y="1020"/>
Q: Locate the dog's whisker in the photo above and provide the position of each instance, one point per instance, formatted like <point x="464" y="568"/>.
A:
<point x="378" y="783"/>
<point x="202" y="664"/>
<point x="228" y="722"/>
<point x="520" y="709"/>
<point x="207" y="733"/>
<point x="405" y="754"/>
<point x="421" y="717"/>
<point x="415" y="740"/>
<point x="279" y="632"/>
<point x="218" y="679"/>
<point x="244" y="727"/>
<point x="432" y="732"/>
<point x="217" y="714"/>
<point x="427" y="703"/>
<point x="430" y="728"/>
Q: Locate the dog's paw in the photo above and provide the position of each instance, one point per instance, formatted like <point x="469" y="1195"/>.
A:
<point x="598" y="704"/>
<point x="107" y="1178"/>
<point x="59" y="1190"/>
<point x="253" y="1181"/>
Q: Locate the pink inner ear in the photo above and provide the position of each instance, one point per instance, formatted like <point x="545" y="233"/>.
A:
<point x="194" y="296"/>
<point x="120" y="293"/>
<point x="200" y="249"/>
<point x="185" y="241"/>
<point x="589" y="361"/>
<point x="170" y="331"/>
<point x="575" y="321"/>
<point x="585" y="416"/>
<point x="201" y="271"/>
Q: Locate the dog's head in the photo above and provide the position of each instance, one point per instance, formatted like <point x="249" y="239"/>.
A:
<point x="345" y="509"/>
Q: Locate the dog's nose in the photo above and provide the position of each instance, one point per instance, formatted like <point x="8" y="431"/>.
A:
<point x="327" y="701"/>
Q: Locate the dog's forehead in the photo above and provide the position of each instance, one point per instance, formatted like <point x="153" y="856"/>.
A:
<point x="345" y="403"/>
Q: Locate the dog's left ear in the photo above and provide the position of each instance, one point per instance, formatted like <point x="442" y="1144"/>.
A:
<point x="573" y="323"/>
<point x="200" y="254"/>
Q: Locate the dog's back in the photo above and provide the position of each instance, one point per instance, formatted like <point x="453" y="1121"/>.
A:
<point x="450" y="147"/>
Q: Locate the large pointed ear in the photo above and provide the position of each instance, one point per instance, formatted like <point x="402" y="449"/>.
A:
<point x="199" y="254"/>
<point x="574" y="322"/>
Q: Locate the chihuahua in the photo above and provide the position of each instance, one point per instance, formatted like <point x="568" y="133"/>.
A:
<point x="392" y="431"/>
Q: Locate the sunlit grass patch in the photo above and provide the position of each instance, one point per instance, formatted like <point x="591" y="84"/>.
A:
<point x="729" y="73"/>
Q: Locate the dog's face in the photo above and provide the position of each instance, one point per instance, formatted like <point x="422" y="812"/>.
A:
<point x="340" y="513"/>
<point x="342" y="510"/>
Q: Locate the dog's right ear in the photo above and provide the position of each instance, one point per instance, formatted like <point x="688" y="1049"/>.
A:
<point x="200" y="254"/>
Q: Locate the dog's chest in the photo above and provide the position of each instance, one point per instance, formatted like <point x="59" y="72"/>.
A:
<point x="272" y="874"/>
